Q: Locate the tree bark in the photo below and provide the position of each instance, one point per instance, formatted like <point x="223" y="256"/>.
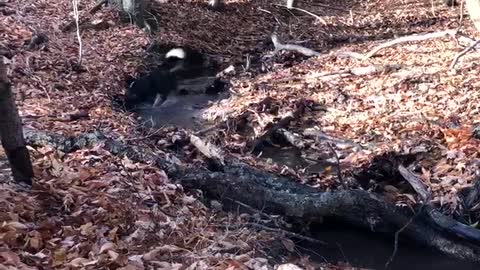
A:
<point x="136" y="8"/>
<point x="238" y="182"/>
<point x="473" y="8"/>
<point x="11" y="132"/>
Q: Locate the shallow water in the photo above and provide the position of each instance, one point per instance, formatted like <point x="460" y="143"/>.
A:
<point x="369" y="250"/>
<point x="183" y="111"/>
<point x="358" y="248"/>
<point x="292" y="157"/>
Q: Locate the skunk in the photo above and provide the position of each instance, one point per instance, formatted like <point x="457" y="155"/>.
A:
<point x="153" y="88"/>
<point x="180" y="64"/>
<point x="185" y="63"/>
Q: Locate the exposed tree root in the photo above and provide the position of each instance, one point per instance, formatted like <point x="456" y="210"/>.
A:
<point x="280" y="195"/>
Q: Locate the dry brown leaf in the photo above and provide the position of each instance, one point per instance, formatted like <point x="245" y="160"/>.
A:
<point x="79" y="262"/>
<point x="9" y="258"/>
<point x="59" y="257"/>
<point x="107" y="247"/>
<point x="15" y="225"/>
<point x="288" y="244"/>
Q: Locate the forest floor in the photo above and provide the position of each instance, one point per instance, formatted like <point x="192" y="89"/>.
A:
<point x="92" y="209"/>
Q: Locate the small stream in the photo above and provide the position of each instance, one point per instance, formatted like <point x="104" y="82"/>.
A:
<point x="356" y="247"/>
<point x="291" y="157"/>
<point x="369" y="250"/>
<point x="361" y="248"/>
<point x="349" y="245"/>
<point x="183" y="111"/>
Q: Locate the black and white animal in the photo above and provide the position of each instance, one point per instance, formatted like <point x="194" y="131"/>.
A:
<point x="154" y="88"/>
<point x="186" y="63"/>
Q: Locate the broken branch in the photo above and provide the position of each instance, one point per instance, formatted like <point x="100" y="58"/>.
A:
<point x="292" y="47"/>
<point x="462" y="53"/>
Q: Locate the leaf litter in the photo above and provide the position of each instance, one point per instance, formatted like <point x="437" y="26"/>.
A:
<point x="90" y="210"/>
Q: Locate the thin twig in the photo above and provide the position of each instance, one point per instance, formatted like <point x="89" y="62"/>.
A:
<point x="460" y="21"/>
<point x="416" y="37"/>
<point x="292" y="47"/>
<point x="337" y="164"/>
<point x="410" y="38"/>
<point x="76" y="16"/>
<point x="334" y="8"/>
<point x="397" y="235"/>
<point x="269" y="12"/>
<point x="433" y="8"/>
<point x="462" y="53"/>
<point x="251" y="208"/>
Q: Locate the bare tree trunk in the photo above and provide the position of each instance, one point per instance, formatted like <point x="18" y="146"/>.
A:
<point x="473" y="8"/>
<point x="135" y="8"/>
<point x="11" y="132"/>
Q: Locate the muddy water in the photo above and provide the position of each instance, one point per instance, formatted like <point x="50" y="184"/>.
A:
<point x="369" y="250"/>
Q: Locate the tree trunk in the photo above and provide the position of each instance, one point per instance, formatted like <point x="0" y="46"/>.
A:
<point x="11" y="132"/>
<point x="473" y="8"/>
<point x="135" y="8"/>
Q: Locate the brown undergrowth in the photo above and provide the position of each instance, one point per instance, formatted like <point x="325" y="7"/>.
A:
<point x="90" y="209"/>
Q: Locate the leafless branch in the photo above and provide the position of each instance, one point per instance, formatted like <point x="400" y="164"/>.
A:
<point x="337" y="164"/>
<point x="416" y="37"/>
<point x="292" y="47"/>
<point x="79" y="38"/>
<point x="462" y="53"/>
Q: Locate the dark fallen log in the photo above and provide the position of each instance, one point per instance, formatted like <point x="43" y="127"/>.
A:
<point x="280" y="195"/>
<point x="68" y="144"/>
<point x="449" y="225"/>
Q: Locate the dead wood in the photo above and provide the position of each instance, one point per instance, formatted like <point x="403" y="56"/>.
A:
<point x="278" y="195"/>
<point x="291" y="138"/>
<point x="462" y="53"/>
<point x="416" y="183"/>
<point x="292" y="47"/>
<point x="11" y="133"/>
<point x="68" y="144"/>
<point x="282" y="123"/>
<point x="410" y="38"/>
<point x="471" y="197"/>
<point x="438" y="219"/>
<point x="283" y="196"/>
<point x="207" y="149"/>
<point x="358" y="71"/>
<point x="416" y="37"/>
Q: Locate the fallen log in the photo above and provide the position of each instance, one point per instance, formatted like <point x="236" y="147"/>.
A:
<point x="69" y="144"/>
<point x="283" y="196"/>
